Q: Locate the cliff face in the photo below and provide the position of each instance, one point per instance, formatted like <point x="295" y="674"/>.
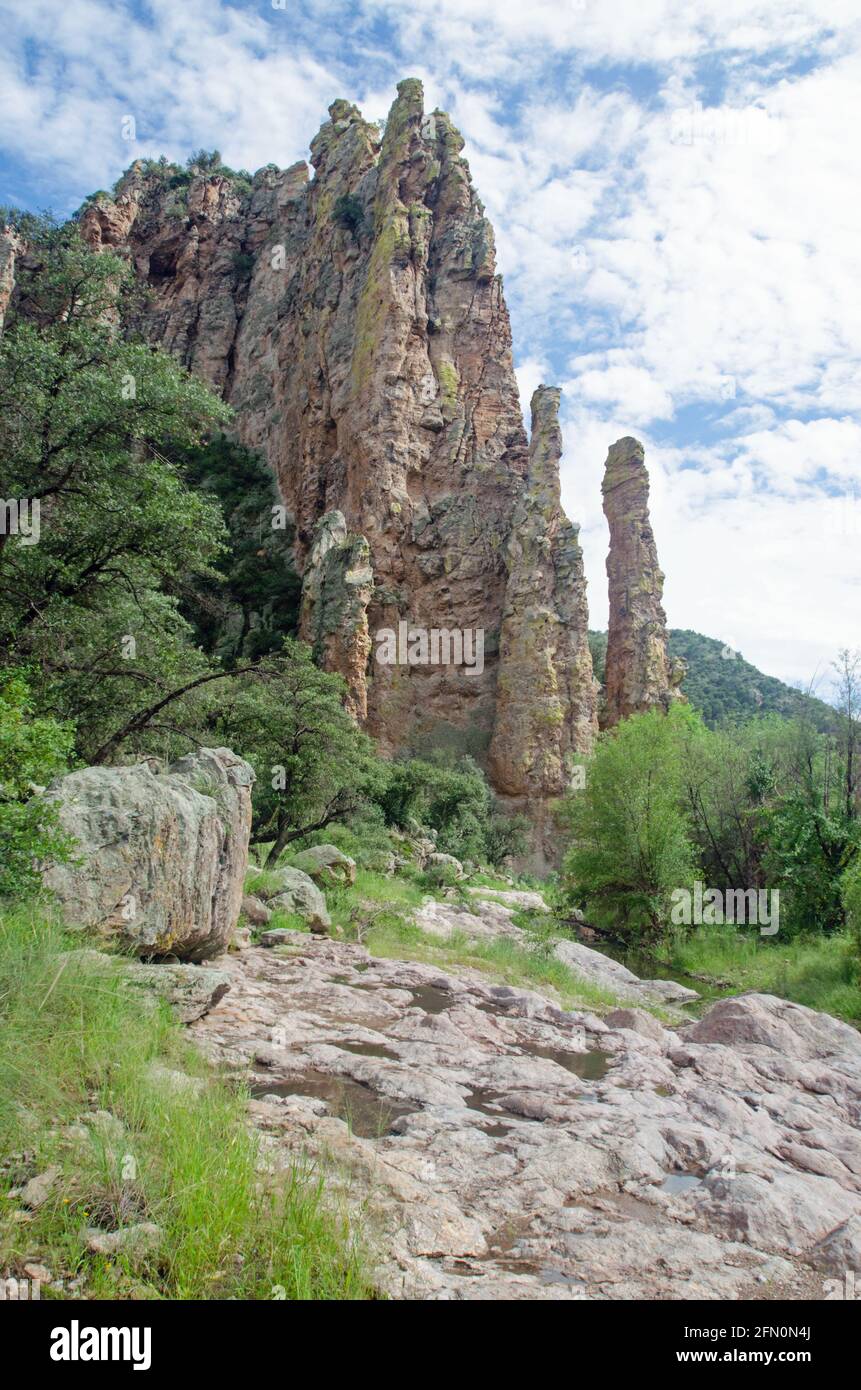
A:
<point x="356" y="323"/>
<point x="639" y="674"/>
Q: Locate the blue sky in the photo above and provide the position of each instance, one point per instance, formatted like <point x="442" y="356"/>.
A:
<point x="674" y="189"/>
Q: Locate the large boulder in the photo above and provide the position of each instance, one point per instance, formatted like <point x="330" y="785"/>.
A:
<point x="326" y="864"/>
<point x="161" y="856"/>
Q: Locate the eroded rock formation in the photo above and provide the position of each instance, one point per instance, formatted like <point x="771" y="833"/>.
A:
<point x="547" y="694"/>
<point x="639" y="673"/>
<point x="356" y="323"/>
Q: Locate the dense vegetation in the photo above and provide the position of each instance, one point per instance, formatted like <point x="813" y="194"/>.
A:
<point x="769" y="805"/>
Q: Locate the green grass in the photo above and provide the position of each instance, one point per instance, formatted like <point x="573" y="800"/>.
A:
<point x="821" y="972"/>
<point x="72" y="1042"/>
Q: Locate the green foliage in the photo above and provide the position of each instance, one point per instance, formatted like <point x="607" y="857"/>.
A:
<point x="84" y="417"/>
<point x="348" y="212"/>
<point x="726" y="688"/>
<point x="32" y="751"/>
<point x="453" y="800"/>
<point x="850" y="889"/>
<point x="313" y="764"/>
<point x="250" y="601"/>
<point x="631" y="839"/>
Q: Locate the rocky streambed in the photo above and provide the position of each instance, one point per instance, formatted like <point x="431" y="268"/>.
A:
<point x="493" y="1145"/>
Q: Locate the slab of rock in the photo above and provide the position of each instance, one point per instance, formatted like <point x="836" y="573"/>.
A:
<point x="162" y="856"/>
<point x="326" y="864"/>
<point x="612" y="975"/>
<point x="546" y="1153"/>
<point x="763" y="1020"/>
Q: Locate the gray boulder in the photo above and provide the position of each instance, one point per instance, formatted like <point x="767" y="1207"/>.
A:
<point x="160" y="857"/>
<point x="444" y="861"/>
<point x="326" y="864"/>
<point x="294" y="891"/>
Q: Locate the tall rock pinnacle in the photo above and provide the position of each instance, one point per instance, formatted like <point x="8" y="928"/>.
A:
<point x="356" y="323"/>
<point x="639" y="674"/>
<point x="547" y="694"/>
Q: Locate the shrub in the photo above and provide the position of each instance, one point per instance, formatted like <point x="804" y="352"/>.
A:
<point x="348" y="212"/>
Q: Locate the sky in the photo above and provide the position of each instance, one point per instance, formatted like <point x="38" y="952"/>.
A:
<point x="675" y="193"/>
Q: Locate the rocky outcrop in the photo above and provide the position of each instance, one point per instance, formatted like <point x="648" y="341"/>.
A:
<point x="547" y="695"/>
<point x="639" y="674"/>
<point x="357" y="324"/>
<point x="500" y="1147"/>
<point x="160" y="857"/>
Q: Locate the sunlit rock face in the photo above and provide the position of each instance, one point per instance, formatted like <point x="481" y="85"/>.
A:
<point x="355" y="321"/>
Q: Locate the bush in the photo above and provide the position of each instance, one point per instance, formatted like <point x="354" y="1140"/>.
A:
<point x="32" y="751"/>
<point x="348" y="212"/>
<point x="632" y="844"/>
<point x="456" y="802"/>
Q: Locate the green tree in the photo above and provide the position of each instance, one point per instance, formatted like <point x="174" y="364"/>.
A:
<point x="313" y="764"/>
<point x="32" y="751"/>
<point x="632" y="843"/>
<point x="85" y="415"/>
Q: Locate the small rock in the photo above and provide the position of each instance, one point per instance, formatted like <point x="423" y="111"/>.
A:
<point x="172" y="1080"/>
<point x="36" y="1192"/>
<point x="255" y="911"/>
<point x="134" y="1242"/>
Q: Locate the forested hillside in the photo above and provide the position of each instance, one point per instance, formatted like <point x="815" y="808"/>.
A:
<point x="724" y="686"/>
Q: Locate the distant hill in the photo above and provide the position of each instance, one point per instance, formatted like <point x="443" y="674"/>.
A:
<point x="723" y="686"/>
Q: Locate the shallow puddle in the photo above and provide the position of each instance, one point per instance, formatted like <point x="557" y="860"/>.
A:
<point x="589" y="1066"/>
<point x="430" y="998"/>
<point x="487" y="1102"/>
<point x="680" y="1182"/>
<point x="368" y="1050"/>
<point x="368" y="1114"/>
